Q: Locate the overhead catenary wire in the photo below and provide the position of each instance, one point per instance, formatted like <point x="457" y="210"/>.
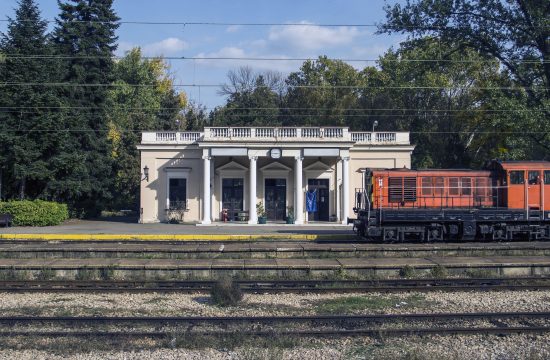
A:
<point x="253" y="24"/>
<point x="226" y="58"/>
<point x="56" y="84"/>
<point x="321" y="115"/>
<point x="36" y="108"/>
<point x="104" y="130"/>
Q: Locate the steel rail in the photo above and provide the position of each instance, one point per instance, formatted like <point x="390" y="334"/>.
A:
<point x="274" y="319"/>
<point x="341" y="325"/>
<point x="303" y="333"/>
<point x="274" y="286"/>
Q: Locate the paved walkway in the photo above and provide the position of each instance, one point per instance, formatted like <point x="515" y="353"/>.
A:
<point x="127" y="227"/>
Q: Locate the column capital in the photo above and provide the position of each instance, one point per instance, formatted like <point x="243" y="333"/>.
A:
<point x="344" y="158"/>
<point x="254" y="157"/>
<point x="207" y="157"/>
<point x="298" y="157"/>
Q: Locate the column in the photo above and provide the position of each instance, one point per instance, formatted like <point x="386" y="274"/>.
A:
<point x="345" y="189"/>
<point x="298" y="191"/>
<point x="252" y="215"/>
<point x="206" y="197"/>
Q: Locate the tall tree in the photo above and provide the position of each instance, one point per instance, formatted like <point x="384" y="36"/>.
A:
<point x="321" y="93"/>
<point x="516" y="32"/>
<point x="27" y="128"/>
<point x="443" y="104"/>
<point x="85" y="33"/>
<point x="253" y="99"/>
<point x="133" y="108"/>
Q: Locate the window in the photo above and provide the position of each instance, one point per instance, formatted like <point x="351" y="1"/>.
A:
<point x="466" y="185"/>
<point x="177" y="194"/>
<point x="517" y="177"/>
<point x="454" y="186"/>
<point x="533" y="177"/>
<point x="547" y="176"/>
<point x="439" y="185"/>
<point x="481" y="188"/>
<point x="426" y="186"/>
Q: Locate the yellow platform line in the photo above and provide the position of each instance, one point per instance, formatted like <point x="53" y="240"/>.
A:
<point x="174" y="237"/>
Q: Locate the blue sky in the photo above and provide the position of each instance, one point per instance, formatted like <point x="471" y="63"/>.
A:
<point x="280" y="42"/>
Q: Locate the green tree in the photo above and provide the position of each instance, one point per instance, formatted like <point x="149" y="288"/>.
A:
<point x="252" y="99"/>
<point x="516" y="32"/>
<point x="321" y="93"/>
<point x="85" y="33"/>
<point x="27" y="127"/>
<point x="133" y="108"/>
<point x="196" y="117"/>
<point x="443" y="104"/>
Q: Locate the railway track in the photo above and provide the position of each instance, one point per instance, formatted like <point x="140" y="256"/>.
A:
<point x="324" y="325"/>
<point x="280" y="286"/>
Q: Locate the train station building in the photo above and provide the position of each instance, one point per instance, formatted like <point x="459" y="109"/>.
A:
<point x="222" y="173"/>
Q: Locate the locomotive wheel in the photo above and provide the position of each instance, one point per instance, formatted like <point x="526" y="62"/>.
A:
<point x="390" y="235"/>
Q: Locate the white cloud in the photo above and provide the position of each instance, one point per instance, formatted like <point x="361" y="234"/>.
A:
<point x="311" y="37"/>
<point x="123" y="47"/>
<point x="164" y="47"/>
<point x="272" y="62"/>
<point x="233" y="28"/>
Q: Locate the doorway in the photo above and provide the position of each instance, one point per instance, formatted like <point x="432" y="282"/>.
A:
<point x="275" y="199"/>
<point x="321" y="187"/>
<point x="232" y="197"/>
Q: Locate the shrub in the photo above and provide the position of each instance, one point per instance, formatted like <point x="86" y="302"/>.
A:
<point x="226" y="292"/>
<point x="35" y="213"/>
<point x="439" y="271"/>
<point x="407" y="271"/>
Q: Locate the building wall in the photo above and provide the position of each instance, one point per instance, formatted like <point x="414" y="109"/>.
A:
<point x="187" y="161"/>
<point x="155" y="191"/>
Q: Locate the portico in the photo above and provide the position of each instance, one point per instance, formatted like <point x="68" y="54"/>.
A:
<point x="222" y="173"/>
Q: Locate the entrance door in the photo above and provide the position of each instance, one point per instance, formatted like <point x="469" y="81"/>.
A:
<point x="275" y="199"/>
<point x="534" y="190"/>
<point x="232" y="197"/>
<point x="322" y="196"/>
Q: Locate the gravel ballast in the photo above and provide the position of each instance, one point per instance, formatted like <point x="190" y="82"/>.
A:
<point x="126" y="304"/>
<point x="172" y="304"/>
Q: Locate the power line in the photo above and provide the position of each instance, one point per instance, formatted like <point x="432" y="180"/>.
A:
<point x="290" y="86"/>
<point x="282" y="115"/>
<point x="253" y="24"/>
<point x="149" y="130"/>
<point x="184" y="58"/>
<point x="18" y="108"/>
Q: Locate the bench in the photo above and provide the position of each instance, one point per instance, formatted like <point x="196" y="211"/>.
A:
<point x="6" y="219"/>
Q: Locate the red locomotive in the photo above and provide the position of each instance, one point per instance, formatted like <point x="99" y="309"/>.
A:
<point x="508" y="200"/>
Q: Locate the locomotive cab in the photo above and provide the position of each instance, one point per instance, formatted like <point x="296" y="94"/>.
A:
<point x="527" y="186"/>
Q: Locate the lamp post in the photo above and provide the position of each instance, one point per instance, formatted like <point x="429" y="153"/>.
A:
<point x="374" y="124"/>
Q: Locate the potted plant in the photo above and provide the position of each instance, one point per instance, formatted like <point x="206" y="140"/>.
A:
<point x="290" y="215"/>
<point x="260" y="211"/>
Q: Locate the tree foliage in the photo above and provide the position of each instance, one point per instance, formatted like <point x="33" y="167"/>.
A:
<point x="25" y="126"/>
<point x="516" y="32"/>
<point x="133" y="109"/>
<point x="85" y="32"/>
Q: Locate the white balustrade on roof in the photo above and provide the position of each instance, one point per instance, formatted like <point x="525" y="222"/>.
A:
<point x="266" y="134"/>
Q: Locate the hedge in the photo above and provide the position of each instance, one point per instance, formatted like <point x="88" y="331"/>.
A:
<point x="35" y="213"/>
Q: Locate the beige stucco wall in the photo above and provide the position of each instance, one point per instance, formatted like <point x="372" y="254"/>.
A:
<point x="154" y="192"/>
<point x="187" y="161"/>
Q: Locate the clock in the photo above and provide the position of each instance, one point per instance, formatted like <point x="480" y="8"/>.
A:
<point x="275" y="153"/>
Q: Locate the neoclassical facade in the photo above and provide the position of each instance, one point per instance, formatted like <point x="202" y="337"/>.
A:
<point x="222" y="173"/>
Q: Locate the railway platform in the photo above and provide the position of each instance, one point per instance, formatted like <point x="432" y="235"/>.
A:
<point x="125" y="268"/>
<point x="260" y="249"/>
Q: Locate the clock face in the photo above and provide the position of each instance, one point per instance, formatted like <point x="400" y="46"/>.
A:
<point x="275" y="153"/>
